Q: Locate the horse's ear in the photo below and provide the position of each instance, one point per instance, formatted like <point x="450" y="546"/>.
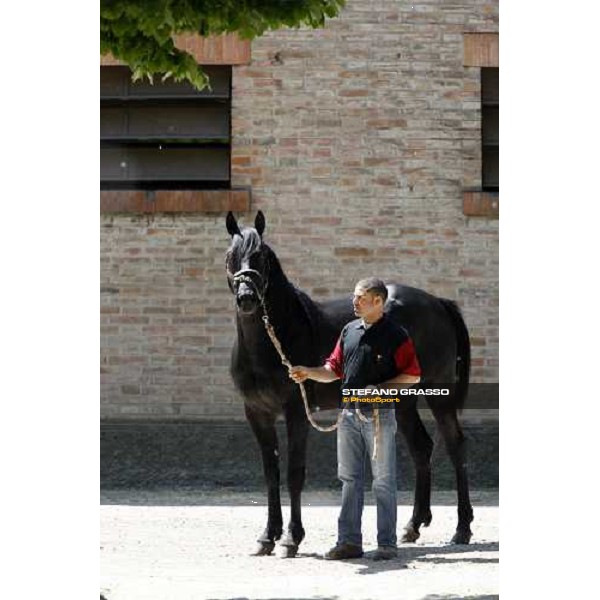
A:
<point x="259" y="222"/>
<point x="232" y="226"/>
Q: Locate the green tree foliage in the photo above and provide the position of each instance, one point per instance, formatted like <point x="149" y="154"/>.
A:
<point x="140" y="32"/>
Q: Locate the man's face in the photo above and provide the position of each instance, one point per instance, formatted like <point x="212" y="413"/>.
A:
<point x="365" y="304"/>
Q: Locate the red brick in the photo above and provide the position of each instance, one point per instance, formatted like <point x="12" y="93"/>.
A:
<point x="352" y="252"/>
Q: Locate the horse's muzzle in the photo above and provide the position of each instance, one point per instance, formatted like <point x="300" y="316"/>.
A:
<point x="247" y="302"/>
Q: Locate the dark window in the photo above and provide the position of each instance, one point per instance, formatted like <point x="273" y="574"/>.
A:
<point x="489" y="128"/>
<point x="164" y="136"/>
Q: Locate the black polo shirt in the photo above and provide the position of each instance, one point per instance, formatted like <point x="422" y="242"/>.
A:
<point x="372" y="356"/>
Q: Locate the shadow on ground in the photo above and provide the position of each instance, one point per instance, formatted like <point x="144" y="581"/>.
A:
<point x="311" y="598"/>
<point x="411" y="556"/>
<point x="216" y="497"/>
<point x="454" y="597"/>
<point x="428" y="597"/>
<point x="224" y="455"/>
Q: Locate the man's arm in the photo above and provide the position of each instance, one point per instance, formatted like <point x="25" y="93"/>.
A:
<point x="324" y="374"/>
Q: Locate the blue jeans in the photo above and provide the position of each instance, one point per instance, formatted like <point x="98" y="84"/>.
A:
<point x="354" y="446"/>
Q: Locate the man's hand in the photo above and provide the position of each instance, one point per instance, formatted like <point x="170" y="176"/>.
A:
<point x="299" y="374"/>
<point x="323" y="374"/>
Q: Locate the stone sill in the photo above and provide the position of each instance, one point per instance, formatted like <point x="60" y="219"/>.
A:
<point x="481" y="204"/>
<point x="481" y="49"/>
<point x="226" y="49"/>
<point x="174" y="201"/>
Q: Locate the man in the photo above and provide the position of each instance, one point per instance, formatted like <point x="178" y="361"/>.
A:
<point x="371" y="352"/>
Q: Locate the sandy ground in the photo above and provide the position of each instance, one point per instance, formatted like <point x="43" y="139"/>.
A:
<point x="190" y="546"/>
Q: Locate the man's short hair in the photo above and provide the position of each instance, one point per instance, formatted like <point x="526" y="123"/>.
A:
<point x="375" y="286"/>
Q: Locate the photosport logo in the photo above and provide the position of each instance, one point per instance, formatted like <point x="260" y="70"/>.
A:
<point x="388" y="396"/>
<point x="478" y="396"/>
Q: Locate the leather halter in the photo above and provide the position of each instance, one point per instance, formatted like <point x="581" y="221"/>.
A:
<point x="246" y="276"/>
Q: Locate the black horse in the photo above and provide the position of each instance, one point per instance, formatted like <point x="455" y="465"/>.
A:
<point x="308" y="331"/>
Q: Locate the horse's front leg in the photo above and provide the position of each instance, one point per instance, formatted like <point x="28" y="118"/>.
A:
<point x="263" y="427"/>
<point x="297" y="431"/>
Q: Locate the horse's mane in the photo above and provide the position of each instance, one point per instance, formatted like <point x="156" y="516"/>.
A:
<point x="250" y="242"/>
<point x="309" y="307"/>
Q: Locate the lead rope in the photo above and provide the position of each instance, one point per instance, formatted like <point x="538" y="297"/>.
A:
<point x="375" y="419"/>
<point x="288" y="364"/>
<point x="377" y="440"/>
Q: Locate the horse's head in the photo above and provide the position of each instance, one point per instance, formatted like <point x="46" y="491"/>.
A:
<point x="247" y="263"/>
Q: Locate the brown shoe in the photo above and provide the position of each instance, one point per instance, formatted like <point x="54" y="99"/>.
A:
<point x="343" y="551"/>
<point x="385" y="553"/>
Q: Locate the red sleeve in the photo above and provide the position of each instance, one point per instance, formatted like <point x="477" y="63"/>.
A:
<point x="406" y="359"/>
<point x="336" y="360"/>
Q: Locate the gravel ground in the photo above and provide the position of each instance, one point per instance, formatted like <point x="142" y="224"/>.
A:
<point x="196" y="545"/>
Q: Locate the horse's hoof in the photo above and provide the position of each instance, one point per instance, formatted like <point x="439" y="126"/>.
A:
<point x="287" y="551"/>
<point x="410" y="536"/>
<point x="263" y="549"/>
<point x="461" y="537"/>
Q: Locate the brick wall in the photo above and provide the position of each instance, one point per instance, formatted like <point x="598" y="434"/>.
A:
<point x="358" y="141"/>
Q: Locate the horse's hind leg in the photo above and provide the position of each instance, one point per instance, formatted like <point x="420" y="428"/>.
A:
<point x="420" y="447"/>
<point x="297" y="431"/>
<point x="455" y="444"/>
<point x="263" y="427"/>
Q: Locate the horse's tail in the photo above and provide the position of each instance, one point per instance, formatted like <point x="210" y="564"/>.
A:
<point x="463" y="353"/>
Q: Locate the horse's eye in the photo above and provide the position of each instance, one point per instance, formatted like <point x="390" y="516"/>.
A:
<point x="230" y="264"/>
<point x="257" y="261"/>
